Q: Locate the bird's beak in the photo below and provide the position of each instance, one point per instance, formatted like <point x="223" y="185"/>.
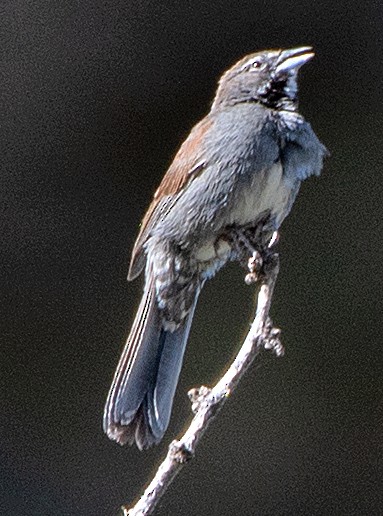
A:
<point x="292" y="59"/>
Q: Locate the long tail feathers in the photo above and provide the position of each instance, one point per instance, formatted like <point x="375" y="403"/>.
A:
<point x="139" y="403"/>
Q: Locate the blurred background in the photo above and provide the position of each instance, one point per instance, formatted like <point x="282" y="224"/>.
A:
<point x="96" y="98"/>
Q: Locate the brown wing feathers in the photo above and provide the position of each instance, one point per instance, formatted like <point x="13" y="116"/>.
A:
<point x="186" y="165"/>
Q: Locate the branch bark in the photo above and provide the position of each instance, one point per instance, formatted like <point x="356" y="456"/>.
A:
<point x="206" y="403"/>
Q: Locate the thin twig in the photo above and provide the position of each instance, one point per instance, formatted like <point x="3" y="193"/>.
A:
<point x="206" y="402"/>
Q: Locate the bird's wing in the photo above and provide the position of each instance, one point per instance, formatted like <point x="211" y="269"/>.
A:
<point x="187" y="165"/>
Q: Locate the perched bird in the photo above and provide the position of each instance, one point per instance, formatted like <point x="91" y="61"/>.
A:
<point x="237" y="173"/>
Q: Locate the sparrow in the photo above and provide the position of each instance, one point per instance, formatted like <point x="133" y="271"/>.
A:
<point x="237" y="174"/>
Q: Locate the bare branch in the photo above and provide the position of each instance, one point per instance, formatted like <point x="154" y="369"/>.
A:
<point x="206" y="402"/>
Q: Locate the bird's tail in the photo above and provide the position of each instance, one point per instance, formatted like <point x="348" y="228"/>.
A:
<point x="141" y="396"/>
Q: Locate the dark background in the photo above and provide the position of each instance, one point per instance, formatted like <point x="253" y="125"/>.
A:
<point x="96" y="97"/>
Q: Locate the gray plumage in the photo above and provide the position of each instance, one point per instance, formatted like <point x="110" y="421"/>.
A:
<point x="240" y="167"/>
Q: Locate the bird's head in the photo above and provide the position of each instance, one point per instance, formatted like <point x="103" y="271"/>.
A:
<point x="268" y="77"/>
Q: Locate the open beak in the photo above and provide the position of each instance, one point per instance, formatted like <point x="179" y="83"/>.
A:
<point x="292" y="59"/>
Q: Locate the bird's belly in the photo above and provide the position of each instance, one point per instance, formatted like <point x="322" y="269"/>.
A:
<point x="267" y="192"/>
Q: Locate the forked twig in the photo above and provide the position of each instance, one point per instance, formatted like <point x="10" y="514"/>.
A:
<point x="206" y="402"/>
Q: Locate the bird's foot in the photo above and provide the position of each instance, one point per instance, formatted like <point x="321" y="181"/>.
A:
<point x="254" y="264"/>
<point x="253" y="248"/>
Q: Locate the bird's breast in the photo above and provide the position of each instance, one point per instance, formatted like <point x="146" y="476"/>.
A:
<point x="265" y="191"/>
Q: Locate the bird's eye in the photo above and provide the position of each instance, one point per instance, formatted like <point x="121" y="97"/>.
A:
<point x="256" y="64"/>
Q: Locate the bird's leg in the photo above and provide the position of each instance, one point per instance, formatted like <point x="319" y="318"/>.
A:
<point x="252" y="246"/>
<point x="242" y="245"/>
